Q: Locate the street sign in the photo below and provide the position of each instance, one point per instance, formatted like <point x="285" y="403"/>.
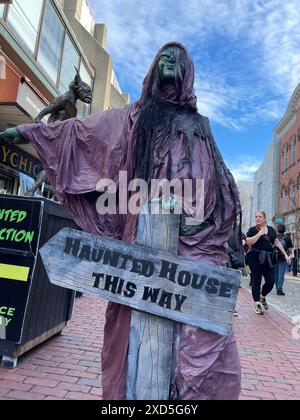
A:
<point x="278" y="219"/>
<point x="143" y="278"/>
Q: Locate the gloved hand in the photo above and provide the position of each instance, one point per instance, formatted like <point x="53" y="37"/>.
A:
<point x="12" y="136"/>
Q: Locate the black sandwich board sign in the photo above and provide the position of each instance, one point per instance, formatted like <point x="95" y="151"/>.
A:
<point x="20" y="224"/>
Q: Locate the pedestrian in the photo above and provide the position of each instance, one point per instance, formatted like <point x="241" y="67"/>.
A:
<point x="281" y="264"/>
<point x="261" y="239"/>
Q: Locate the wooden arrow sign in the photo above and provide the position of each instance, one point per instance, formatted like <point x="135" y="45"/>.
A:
<point x="166" y="285"/>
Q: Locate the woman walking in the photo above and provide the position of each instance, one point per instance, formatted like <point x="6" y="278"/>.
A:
<point x="261" y="238"/>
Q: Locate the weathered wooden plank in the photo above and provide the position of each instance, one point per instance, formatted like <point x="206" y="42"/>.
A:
<point x="149" y="357"/>
<point x="151" y="337"/>
<point x="146" y="279"/>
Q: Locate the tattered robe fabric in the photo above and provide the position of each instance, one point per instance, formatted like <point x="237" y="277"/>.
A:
<point x="76" y="154"/>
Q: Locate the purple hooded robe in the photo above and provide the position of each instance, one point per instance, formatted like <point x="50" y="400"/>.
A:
<point x="76" y="154"/>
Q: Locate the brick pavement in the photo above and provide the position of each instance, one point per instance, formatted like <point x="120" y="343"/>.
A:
<point x="67" y="367"/>
<point x="270" y="357"/>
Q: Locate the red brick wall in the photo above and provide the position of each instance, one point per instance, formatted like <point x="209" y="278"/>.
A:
<point x="292" y="173"/>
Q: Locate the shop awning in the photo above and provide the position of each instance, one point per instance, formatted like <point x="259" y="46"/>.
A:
<point x="20" y="103"/>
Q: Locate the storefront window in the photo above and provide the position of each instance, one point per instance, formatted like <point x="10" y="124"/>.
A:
<point x="51" y="42"/>
<point x="1" y="10"/>
<point x="70" y="59"/>
<point x="6" y="184"/>
<point x="84" y="109"/>
<point x="24" y="17"/>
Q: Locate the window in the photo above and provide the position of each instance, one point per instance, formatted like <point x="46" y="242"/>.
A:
<point x="69" y="60"/>
<point x="283" y="202"/>
<point x="298" y="193"/>
<point x="23" y="18"/>
<point x="284" y="157"/>
<point x="84" y="109"/>
<point x="1" y="10"/>
<point x="6" y="184"/>
<point x="292" y="198"/>
<point x="2" y="67"/>
<point x="51" y="42"/>
<point x="292" y="152"/>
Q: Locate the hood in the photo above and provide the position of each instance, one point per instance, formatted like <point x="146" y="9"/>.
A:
<point x="187" y="96"/>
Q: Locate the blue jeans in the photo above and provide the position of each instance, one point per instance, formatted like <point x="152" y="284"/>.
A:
<point x="280" y="270"/>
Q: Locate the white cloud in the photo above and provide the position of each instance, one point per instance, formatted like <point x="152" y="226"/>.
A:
<point x="218" y="100"/>
<point x="243" y="168"/>
<point x="246" y="51"/>
<point x="278" y="33"/>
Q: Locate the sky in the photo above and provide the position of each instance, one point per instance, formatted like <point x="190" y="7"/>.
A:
<point x="246" y="55"/>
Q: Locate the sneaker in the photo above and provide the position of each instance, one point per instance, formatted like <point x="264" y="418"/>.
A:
<point x="258" y="308"/>
<point x="235" y="313"/>
<point x="280" y="293"/>
<point x="264" y="303"/>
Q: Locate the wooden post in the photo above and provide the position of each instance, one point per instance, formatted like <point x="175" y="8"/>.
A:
<point x="151" y="337"/>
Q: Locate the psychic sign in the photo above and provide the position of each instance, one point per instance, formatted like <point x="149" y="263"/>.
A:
<point x="170" y="286"/>
<point x="20" y="222"/>
<point x="24" y="163"/>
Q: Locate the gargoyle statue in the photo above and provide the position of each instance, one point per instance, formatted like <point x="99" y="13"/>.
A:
<point x="64" y="106"/>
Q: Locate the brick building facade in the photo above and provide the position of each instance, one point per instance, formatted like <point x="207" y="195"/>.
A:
<point x="288" y="131"/>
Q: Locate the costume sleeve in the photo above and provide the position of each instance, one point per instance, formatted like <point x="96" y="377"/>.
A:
<point x="76" y="154"/>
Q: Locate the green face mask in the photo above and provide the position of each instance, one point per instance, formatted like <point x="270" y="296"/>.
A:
<point x="167" y="65"/>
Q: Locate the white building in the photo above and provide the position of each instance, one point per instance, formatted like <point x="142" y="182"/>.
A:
<point x="265" y="186"/>
<point x="246" y="197"/>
